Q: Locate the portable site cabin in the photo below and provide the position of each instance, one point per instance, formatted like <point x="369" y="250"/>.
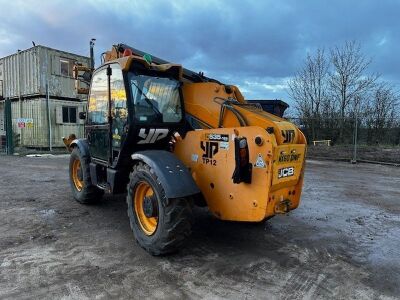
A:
<point x="44" y="103"/>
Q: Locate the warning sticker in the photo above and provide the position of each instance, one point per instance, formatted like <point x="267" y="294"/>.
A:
<point x="259" y="162"/>
<point x="25" y="123"/>
<point x="224" y="145"/>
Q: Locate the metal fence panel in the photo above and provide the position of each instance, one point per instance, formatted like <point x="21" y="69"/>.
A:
<point x="2" y="127"/>
<point x="352" y="139"/>
<point x="6" y="133"/>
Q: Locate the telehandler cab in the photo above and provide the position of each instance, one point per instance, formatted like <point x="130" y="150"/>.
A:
<point x="172" y="138"/>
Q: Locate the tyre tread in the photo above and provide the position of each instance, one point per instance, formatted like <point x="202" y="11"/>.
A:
<point x="90" y="193"/>
<point x="177" y="222"/>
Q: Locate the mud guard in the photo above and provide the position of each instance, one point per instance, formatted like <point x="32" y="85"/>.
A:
<point x="82" y="145"/>
<point x="172" y="173"/>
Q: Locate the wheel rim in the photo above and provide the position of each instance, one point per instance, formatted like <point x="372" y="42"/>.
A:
<point x="77" y="174"/>
<point x="148" y="224"/>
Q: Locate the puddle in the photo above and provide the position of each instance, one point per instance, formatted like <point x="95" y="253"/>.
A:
<point x="47" y="213"/>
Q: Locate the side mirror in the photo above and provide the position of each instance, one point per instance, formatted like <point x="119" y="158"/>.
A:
<point x="82" y="115"/>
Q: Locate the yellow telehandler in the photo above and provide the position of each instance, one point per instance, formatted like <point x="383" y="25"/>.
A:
<point x="172" y="138"/>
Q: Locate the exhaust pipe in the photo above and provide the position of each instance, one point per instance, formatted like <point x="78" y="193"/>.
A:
<point x="92" y="54"/>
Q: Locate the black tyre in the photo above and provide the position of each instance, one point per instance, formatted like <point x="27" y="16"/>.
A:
<point x="160" y="225"/>
<point x="79" y="176"/>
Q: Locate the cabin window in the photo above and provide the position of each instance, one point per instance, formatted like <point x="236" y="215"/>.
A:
<point x="69" y="114"/>
<point x="65" y="67"/>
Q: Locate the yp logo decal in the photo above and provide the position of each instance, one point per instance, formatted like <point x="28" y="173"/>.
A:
<point x="210" y="149"/>
<point x="153" y="135"/>
<point x="288" y="136"/>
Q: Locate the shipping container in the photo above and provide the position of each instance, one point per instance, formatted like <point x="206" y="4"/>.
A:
<point x="29" y="78"/>
<point x="26" y="73"/>
<point x="31" y="125"/>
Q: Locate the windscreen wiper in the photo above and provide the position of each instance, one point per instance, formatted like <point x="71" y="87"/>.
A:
<point x="148" y="101"/>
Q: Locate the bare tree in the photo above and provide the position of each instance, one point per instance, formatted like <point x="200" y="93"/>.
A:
<point x="348" y="81"/>
<point x="308" y="88"/>
<point x="381" y="110"/>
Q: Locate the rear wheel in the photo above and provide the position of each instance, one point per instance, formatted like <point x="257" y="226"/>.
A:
<point x="79" y="174"/>
<point x="160" y="225"/>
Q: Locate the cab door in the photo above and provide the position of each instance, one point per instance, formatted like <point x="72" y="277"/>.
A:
<point x="98" y="126"/>
<point x="119" y="112"/>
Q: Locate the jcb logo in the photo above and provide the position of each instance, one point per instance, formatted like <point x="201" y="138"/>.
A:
<point x="288" y="136"/>
<point x="153" y="135"/>
<point x="210" y="149"/>
<point x="285" y="172"/>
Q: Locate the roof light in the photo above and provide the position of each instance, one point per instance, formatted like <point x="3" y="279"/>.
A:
<point x="127" y="52"/>
<point x="147" y="58"/>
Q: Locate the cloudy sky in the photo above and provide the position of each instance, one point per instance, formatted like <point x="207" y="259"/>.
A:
<point x="256" y="45"/>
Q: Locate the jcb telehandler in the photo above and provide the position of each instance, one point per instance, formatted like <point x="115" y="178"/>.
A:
<point x="172" y="138"/>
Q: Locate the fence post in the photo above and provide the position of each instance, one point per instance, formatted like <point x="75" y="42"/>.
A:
<point x="354" y="160"/>
<point x="48" y="117"/>
<point x="9" y="131"/>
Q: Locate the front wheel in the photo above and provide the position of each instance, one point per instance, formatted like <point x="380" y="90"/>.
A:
<point x="79" y="174"/>
<point x="159" y="224"/>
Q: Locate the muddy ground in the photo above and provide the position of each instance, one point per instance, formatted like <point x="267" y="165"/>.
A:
<point x="387" y="154"/>
<point x="343" y="242"/>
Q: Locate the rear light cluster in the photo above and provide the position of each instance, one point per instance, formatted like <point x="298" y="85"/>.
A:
<point x="243" y="153"/>
<point x="243" y="167"/>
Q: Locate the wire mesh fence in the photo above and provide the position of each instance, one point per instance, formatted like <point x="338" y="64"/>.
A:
<point x="6" y="132"/>
<point x="3" y="148"/>
<point x="354" y="139"/>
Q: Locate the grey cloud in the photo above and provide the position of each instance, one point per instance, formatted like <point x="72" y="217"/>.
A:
<point x="242" y="42"/>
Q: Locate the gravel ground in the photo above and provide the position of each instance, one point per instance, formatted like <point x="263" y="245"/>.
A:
<point x="387" y="154"/>
<point x="342" y="242"/>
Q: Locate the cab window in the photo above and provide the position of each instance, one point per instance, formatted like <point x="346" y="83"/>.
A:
<point x="119" y="111"/>
<point x="156" y="99"/>
<point x="98" y="99"/>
